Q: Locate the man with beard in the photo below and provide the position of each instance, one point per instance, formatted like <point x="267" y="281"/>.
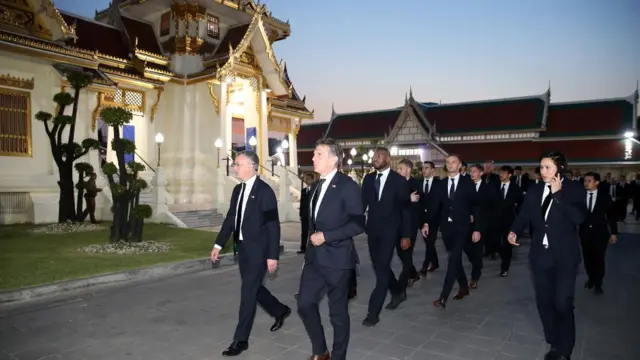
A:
<point x="458" y="197"/>
<point x="386" y="194"/>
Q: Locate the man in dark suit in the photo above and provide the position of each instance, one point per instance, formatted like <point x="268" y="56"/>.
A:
<point x="487" y="199"/>
<point x="336" y="218"/>
<point x="555" y="209"/>
<point x="510" y="197"/>
<point x="431" y="262"/>
<point x="636" y="197"/>
<point x="492" y="239"/>
<point x="253" y="220"/>
<point x="458" y="197"/>
<point x="599" y="229"/>
<point x="385" y="193"/>
<point x="409" y="274"/>
<point x="305" y="205"/>
<point x="519" y="178"/>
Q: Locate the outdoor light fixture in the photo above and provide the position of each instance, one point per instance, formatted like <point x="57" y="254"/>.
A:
<point x="285" y="144"/>
<point x="218" y="145"/>
<point x="394" y="150"/>
<point x="349" y="161"/>
<point x="253" y="141"/>
<point x="628" y="134"/>
<point x="159" y="141"/>
<point x="370" y="153"/>
<point x="353" y="152"/>
<point x="365" y="157"/>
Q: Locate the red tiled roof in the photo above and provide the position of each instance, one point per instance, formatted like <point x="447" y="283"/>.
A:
<point x="309" y="134"/>
<point x="363" y="125"/>
<point x="145" y="34"/>
<point x="605" y="150"/>
<point x="305" y="158"/>
<point x="96" y="36"/>
<point x="496" y="115"/>
<point x="233" y="37"/>
<point x="609" y="117"/>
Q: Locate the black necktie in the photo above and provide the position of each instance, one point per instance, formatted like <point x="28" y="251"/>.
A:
<point x="376" y="184"/>
<point x="314" y="201"/>
<point x="546" y="202"/>
<point x="236" y="234"/>
<point x="590" y="202"/>
<point x="452" y="189"/>
<point x="502" y="190"/>
<point x="426" y="187"/>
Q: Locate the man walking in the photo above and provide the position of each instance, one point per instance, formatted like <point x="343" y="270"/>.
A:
<point x="253" y="220"/>
<point x="336" y="217"/>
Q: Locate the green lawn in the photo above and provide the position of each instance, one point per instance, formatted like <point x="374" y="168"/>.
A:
<point x="28" y="258"/>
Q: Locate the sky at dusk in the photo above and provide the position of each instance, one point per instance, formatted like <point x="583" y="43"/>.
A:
<point x="365" y="54"/>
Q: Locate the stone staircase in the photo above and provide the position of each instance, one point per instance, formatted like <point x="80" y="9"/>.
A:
<point x="200" y="218"/>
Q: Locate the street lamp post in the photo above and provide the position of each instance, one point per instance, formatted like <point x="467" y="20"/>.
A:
<point x="159" y="141"/>
<point x="218" y="145"/>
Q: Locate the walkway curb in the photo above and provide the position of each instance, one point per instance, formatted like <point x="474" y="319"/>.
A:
<point x="151" y="272"/>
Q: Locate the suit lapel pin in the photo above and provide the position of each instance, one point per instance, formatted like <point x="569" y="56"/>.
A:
<point x="333" y="185"/>
<point x="253" y="196"/>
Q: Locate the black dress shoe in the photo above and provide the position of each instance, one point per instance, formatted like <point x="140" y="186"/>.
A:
<point x="370" y="321"/>
<point x="396" y="300"/>
<point x="236" y="348"/>
<point x="588" y="285"/>
<point x="551" y="355"/>
<point x="301" y="251"/>
<point x="280" y="319"/>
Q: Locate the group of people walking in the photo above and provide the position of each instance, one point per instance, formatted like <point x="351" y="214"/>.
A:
<point x="478" y="213"/>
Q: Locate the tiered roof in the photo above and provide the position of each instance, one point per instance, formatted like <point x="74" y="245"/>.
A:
<point x="126" y="48"/>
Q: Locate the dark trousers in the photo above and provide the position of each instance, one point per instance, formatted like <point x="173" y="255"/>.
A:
<point x="91" y="208"/>
<point x="253" y="292"/>
<point x="621" y="209"/>
<point x="506" y="251"/>
<point x="406" y="256"/>
<point x="353" y="282"/>
<point x="555" y="290"/>
<point x="474" y="254"/>
<point x="304" y="233"/>
<point x="594" y="249"/>
<point x="492" y="241"/>
<point x="454" y="241"/>
<point x="314" y="280"/>
<point x="381" y="250"/>
<point x="431" y="255"/>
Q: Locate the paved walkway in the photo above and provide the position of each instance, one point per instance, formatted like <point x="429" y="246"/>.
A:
<point x="192" y="317"/>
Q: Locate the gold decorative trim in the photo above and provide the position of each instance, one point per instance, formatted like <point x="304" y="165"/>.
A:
<point x="16" y="82"/>
<point x="154" y="107"/>
<point x="28" y="120"/>
<point x="70" y="51"/>
<point x="214" y="98"/>
<point x="151" y="57"/>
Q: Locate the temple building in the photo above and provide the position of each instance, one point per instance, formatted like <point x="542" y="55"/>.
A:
<point x="593" y="134"/>
<point x="202" y="73"/>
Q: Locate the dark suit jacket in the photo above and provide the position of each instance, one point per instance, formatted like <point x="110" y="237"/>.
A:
<point x="524" y="181"/>
<point x="260" y="223"/>
<point x="417" y="209"/>
<point x="567" y="211"/>
<point x="464" y="205"/>
<point x="305" y="203"/>
<point x="602" y="221"/>
<point x="492" y="179"/>
<point x="340" y="218"/>
<point x="389" y="217"/>
<point x="487" y="199"/>
<point x="506" y="207"/>
<point x="426" y="200"/>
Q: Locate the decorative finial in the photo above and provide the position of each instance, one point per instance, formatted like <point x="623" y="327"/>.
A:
<point x="333" y="112"/>
<point x="304" y="99"/>
<point x="230" y="50"/>
<point x="136" y="42"/>
<point x="410" y="93"/>
<point x="405" y="97"/>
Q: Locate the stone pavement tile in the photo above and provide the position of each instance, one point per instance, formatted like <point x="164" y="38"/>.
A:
<point x="193" y="317"/>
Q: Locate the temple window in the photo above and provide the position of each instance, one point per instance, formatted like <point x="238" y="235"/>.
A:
<point x="165" y="24"/>
<point x="15" y="123"/>
<point x="129" y="99"/>
<point x="213" y="26"/>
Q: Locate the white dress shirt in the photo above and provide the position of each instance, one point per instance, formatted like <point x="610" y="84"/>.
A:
<point x="506" y="189"/>
<point x="383" y="179"/>
<point x="424" y="185"/>
<point x="545" y="240"/>
<point x="247" y="190"/>
<point x="456" y="179"/>
<point x="593" y="202"/>
<point x="478" y="185"/>
<point x="323" y="190"/>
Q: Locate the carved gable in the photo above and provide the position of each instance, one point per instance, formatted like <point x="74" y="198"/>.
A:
<point x="407" y="129"/>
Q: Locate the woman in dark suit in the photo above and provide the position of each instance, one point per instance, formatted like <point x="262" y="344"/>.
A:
<point x="554" y="209"/>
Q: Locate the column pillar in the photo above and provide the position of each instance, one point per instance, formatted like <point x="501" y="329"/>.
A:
<point x="158" y="193"/>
